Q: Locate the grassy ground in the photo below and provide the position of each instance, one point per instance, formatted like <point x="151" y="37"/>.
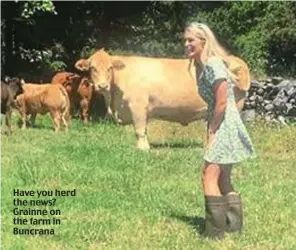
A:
<point x="128" y="199"/>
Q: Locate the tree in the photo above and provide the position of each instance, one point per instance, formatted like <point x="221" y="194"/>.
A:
<point x="14" y="14"/>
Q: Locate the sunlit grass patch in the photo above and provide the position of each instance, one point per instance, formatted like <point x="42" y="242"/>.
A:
<point x="128" y="199"/>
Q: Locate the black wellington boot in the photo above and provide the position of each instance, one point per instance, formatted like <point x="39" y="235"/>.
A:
<point x="215" y="219"/>
<point x="234" y="213"/>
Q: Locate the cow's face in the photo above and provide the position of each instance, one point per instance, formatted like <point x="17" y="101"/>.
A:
<point x="101" y="68"/>
<point x="85" y="87"/>
<point x="16" y="86"/>
<point x="71" y="82"/>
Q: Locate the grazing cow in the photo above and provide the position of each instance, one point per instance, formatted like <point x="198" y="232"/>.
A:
<point x="9" y="92"/>
<point x="139" y="88"/>
<point x="43" y="98"/>
<point x="80" y="91"/>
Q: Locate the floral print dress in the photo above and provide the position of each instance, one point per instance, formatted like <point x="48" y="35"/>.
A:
<point x="232" y="143"/>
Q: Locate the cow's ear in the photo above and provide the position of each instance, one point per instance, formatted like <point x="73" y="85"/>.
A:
<point x="118" y="65"/>
<point x="67" y="83"/>
<point x="22" y="82"/>
<point x="6" y="79"/>
<point x="82" y="65"/>
<point x="72" y="77"/>
<point x="84" y="82"/>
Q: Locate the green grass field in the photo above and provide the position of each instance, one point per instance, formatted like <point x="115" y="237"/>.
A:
<point x="128" y="199"/>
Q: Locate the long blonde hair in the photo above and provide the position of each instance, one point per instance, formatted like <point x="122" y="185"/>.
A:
<point x="212" y="47"/>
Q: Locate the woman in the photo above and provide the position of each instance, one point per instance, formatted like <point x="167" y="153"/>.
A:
<point x="227" y="139"/>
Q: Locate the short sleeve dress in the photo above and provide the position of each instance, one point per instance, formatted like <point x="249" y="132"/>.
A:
<point x="232" y="143"/>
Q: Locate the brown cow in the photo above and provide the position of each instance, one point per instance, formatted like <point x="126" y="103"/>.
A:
<point x="70" y="82"/>
<point x="139" y="88"/>
<point x="43" y="98"/>
<point x="9" y="92"/>
<point x="79" y="89"/>
<point x="85" y="94"/>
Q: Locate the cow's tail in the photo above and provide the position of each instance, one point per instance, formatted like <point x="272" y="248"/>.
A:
<point x="66" y="106"/>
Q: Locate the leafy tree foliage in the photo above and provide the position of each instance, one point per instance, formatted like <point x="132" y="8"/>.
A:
<point x="263" y="33"/>
<point x="41" y="37"/>
<point x="31" y="8"/>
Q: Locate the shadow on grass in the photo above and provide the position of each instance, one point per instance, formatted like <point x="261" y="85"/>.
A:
<point x="198" y="223"/>
<point x="177" y="145"/>
<point x="37" y="126"/>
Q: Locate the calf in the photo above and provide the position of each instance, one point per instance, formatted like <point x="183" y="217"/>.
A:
<point x="42" y="99"/>
<point x="70" y="82"/>
<point x="85" y="96"/>
<point x="79" y="89"/>
<point x="9" y="91"/>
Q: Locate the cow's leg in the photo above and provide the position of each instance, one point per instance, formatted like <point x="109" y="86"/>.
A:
<point x="24" y="119"/>
<point x="8" y="121"/>
<point x="107" y="99"/>
<point x="84" y="106"/>
<point x="32" y="119"/>
<point x="72" y="105"/>
<point x="113" y="116"/>
<point x="65" y="119"/>
<point x="55" y="115"/>
<point x="21" y="106"/>
<point x="140" y="124"/>
<point x="2" y="116"/>
<point x="116" y="119"/>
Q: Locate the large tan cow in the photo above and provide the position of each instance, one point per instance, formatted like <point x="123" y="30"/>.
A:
<point x="43" y="98"/>
<point x="139" y="88"/>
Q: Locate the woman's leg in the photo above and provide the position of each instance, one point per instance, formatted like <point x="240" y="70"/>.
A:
<point x="210" y="179"/>
<point x="215" y="205"/>
<point x="234" y="212"/>
<point x="225" y="184"/>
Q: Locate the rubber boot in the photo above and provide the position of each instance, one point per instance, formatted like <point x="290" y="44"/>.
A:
<point x="215" y="219"/>
<point x="234" y="213"/>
